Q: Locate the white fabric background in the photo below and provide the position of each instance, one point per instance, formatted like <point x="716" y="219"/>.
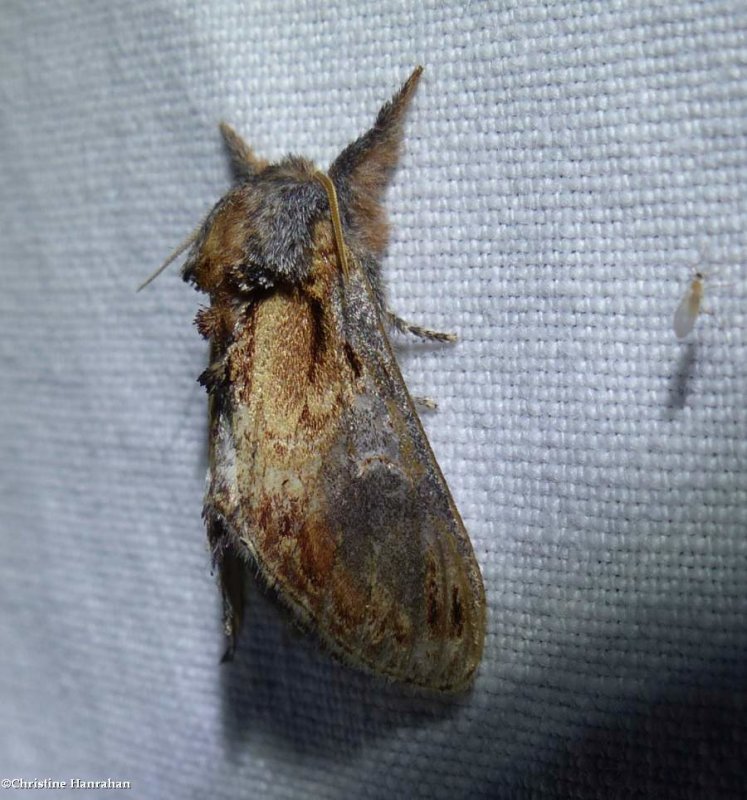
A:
<point x="568" y="165"/>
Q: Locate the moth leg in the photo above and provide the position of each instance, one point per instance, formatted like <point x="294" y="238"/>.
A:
<point x="428" y="403"/>
<point x="711" y="313"/>
<point x="231" y="576"/>
<point x="424" y="333"/>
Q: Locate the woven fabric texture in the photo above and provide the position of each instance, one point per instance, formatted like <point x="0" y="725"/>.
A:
<point x="568" y="166"/>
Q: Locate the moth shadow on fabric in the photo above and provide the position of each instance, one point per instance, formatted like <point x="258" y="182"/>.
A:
<point x="282" y="688"/>
<point x="704" y="759"/>
<point x="646" y="698"/>
<point x="673" y="731"/>
<point x="681" y="378"/>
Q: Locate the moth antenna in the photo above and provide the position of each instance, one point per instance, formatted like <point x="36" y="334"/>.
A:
<point x="334" y="210"/>
<point x="190" y="240"/>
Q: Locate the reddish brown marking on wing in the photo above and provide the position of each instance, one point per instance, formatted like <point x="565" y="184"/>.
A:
<point x="297" y="552"/>
<point x="316" y="554"/>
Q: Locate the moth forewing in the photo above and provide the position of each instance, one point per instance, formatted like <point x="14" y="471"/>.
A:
<point x="453" y="600"/>
<point x="688" y="309"/>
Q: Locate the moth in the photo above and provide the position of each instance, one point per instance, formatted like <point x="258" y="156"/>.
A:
<point x="321" y="476"/>
<point x="689" y="307"/>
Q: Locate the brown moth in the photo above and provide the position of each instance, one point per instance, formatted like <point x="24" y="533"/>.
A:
<point x="320" y="473"/>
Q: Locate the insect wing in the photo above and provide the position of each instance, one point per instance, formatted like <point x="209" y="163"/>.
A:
<point x="685" y="315"/>
<point x="322" y="474"/>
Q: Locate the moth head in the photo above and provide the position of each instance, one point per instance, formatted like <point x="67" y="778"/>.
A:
<point x="261" y="233"/>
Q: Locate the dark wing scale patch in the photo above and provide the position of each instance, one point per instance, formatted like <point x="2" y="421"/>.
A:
<point x="353" y="360"/>
<point x="457" y="620"/>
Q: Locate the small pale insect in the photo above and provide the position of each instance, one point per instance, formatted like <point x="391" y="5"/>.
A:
<point x="688" y="309"/>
